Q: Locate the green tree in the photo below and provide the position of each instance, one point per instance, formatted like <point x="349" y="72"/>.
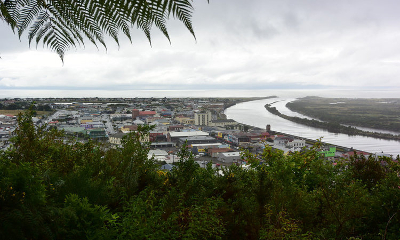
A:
<point x="61" y="25"/>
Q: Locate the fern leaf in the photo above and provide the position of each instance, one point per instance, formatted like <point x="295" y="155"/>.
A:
<point x="61" y="25"/>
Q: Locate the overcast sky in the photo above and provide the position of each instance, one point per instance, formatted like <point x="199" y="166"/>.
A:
<point x="241" y="44"/>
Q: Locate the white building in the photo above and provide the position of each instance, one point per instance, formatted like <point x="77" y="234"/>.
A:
<point x="159" y="155"/>
<point x="296" y="143"/>
<point x="229" y="157"/>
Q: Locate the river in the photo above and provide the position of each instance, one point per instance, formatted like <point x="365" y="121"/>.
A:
<point x="254" y="113"/>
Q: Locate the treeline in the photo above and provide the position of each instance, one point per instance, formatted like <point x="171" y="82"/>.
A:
<point x="24" y="105"/>
<point x="332" y="126"/>
<point x="50" y="189"/>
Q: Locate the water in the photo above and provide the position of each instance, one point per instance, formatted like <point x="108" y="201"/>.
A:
<point x="216" y="93"/>
<point x="254" y="113"/>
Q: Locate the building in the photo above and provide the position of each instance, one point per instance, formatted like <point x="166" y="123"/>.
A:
<point x="175" y="128"/>
<point x="329" y="153"/>
<point x="129" y="128"/>
<point x="296" y="143"/>
<point x="155" y="136"/>
<point x="282" y="140"/>
<point x="97" y="133"/>
<point x="174" y="136"/>
<point x="73" y="130"/>
<point x="202" y="118"/>
<point x="197" y="140"/>
<point x="184" y="120"/>
<point x="86" y="119"/>
<point x="237" y="138"/>
<point x="214" y="152"/>
<point x="136" y="113"/>
<point x="157" y="154"/>
<point x="222" y="122"/>
<point x="162" y="145"/>
<point x="116" y="138"/>
<point x="229" y="157"/>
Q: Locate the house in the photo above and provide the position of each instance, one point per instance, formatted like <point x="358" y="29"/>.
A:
<point x="351" y="154"/>
<point x="152" y="119"/>
<point x="116" y="138"/>
<point x="175" y="128"/>
<point x="138" y="122"/>
<point x="265" y="135"/>
<point x="162" y="121"/>
<point x="282" y="140"/>
<point x="129" y="128"/>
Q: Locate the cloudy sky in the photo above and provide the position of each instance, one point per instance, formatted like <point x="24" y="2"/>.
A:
<point x="251" y="44"/>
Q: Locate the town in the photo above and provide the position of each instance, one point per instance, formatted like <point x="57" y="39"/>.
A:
<point x="200" y="123"/>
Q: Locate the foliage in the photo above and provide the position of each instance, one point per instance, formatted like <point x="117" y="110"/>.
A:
<point x="61" y="25"/>
<point x="52" y="189"/>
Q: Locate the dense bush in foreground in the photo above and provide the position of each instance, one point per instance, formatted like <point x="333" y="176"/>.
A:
<point x="50" y="189"/>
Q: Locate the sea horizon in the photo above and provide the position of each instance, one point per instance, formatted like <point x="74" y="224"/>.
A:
<point x="199" y="93"/>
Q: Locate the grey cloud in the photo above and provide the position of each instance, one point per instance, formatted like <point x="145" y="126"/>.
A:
<point x="263" y="30"/>
<point x="241" y="44"/>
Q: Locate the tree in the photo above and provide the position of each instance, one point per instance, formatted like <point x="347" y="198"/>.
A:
<point x="61" y="25"/>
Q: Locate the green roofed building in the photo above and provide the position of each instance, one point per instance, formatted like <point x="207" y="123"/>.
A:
<point x="329" y="153"/>
<point x="97" y="133"/>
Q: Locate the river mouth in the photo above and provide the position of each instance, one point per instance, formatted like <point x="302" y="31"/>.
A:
<point x="281" y="107"/>
<point x="254" y="113"/>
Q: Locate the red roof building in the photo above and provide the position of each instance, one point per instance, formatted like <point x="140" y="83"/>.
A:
<point x="136" y="113"/>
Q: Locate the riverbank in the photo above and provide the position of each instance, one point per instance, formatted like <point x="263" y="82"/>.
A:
<point x="332" y="127"/>
<point x="254" y="114"/>
<point x="226" y="106"/>
<point x="373" y="113"/>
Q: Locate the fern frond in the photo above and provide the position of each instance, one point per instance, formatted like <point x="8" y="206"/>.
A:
<point x="5" y="14"/>
<point x="61" y="25"/>
<point x="182" y="9"/>
<point x="27" y="15"/>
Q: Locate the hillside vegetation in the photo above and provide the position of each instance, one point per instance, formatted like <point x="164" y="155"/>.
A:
<point x="50" y="189"/>
<point x="372" y="113"/>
